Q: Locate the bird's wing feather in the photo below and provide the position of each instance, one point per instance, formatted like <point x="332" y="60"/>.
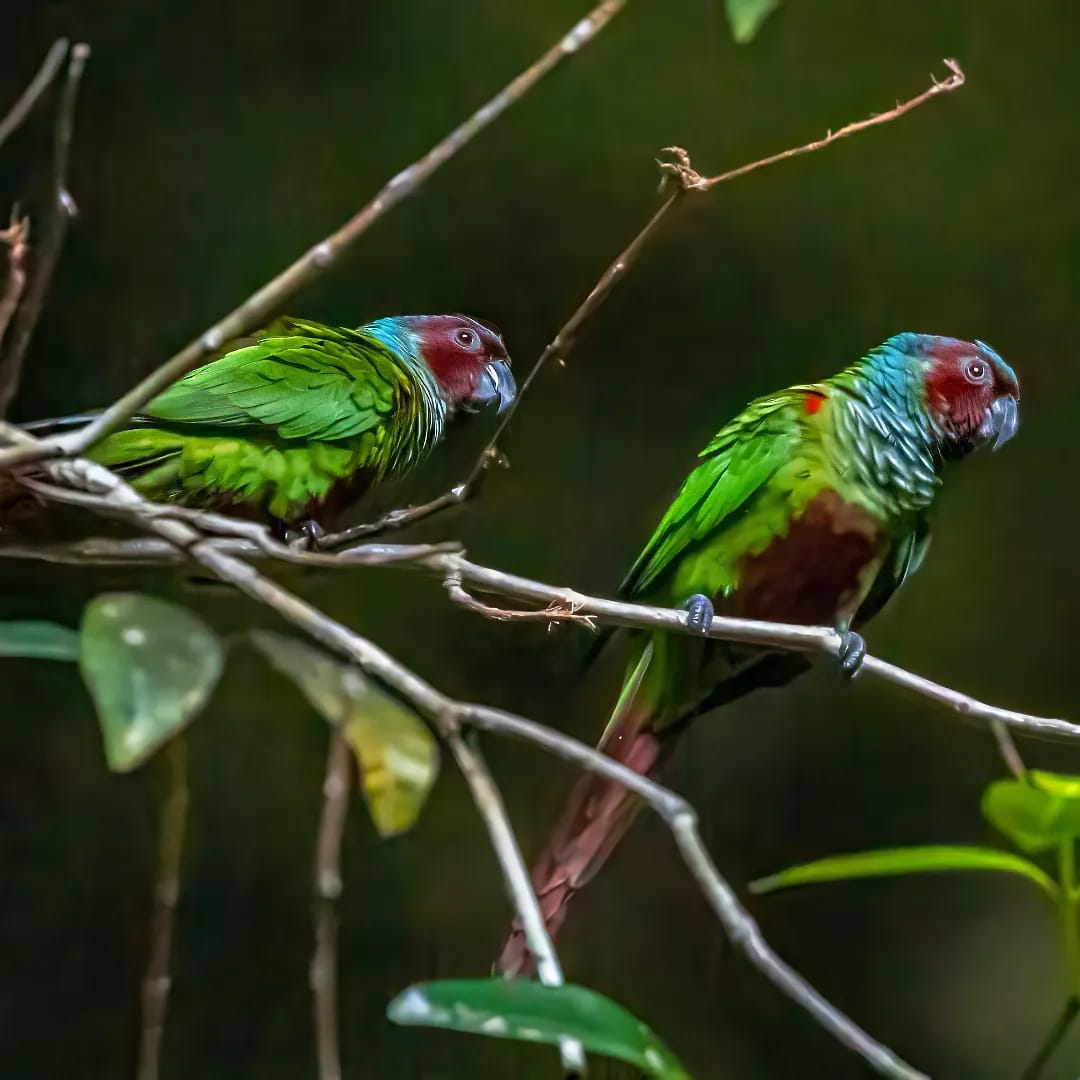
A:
<point x="309" y="382"/>
<point x="743" y="457"/>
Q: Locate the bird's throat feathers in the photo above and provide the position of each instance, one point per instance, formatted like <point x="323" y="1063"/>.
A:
<point x="881" y="432"/>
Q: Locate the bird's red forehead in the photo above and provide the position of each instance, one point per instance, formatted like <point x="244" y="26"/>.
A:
<point x="949" y="354"/>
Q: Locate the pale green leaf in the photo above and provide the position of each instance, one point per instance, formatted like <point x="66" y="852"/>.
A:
<point x="1068" y="787"/>
<point x="150" y="667"/>
<point x="1034" y="818"/>
<point x="746" y="17"/>
<point x="38" y="640"/>
<point x="527" y="1010"/>
<point x="891" y="862"/>
<point x="397" y="754"/>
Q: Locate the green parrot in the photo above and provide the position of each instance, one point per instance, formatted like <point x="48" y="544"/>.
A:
<point x="293" y="427"/>
<point x="809" y="507"/>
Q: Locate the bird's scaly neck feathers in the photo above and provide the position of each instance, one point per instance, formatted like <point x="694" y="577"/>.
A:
<point x="882" y="429"/>
<point x="393" y="331"/>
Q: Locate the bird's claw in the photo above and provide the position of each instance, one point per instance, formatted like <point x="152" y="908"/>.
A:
<point x="699" y="613"/>
<point x="851" y="654"/>
<point x="306" y="537"/>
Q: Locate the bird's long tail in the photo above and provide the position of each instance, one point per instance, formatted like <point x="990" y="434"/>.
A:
<point x="597" y="814"/>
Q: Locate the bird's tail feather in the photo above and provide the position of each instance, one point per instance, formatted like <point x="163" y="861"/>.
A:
<point x="596" y="816"/>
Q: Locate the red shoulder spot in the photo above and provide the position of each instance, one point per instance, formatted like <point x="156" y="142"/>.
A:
<point x="813" y="402"/>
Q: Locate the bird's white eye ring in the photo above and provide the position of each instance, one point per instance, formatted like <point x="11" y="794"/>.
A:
<point x="465" y="338"/>
<point x="975" y="371"/>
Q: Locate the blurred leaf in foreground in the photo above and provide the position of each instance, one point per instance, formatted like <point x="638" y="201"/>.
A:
<point x="1036" y="813"/>
<point x="397" y="754"/>
<point x="150" y="667"/>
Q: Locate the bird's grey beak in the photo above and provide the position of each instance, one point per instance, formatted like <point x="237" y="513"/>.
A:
<point x="496" y="383"/>
<point x="1002" y="420"/>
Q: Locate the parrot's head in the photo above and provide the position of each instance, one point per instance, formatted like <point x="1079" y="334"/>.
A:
<point x="467" y="358"/>
<point x="971" y="395"/>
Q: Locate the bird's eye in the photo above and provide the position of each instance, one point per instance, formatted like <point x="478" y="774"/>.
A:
<point x="465" y="338"/>
<point x="975" y="371"/>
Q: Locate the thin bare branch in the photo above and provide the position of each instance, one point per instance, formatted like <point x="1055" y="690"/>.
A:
<point x="267" y="300"/>
<point x="50" y="66"/>
<point x="1008" y="750"/>
<point x="246" y="537"/>
<point x="559" y="604"/>
<point x="568" y="605"/>
<point x="157" y="982"/>
<point x="953" y="81"/>
<point x="687" y="180"/>
<point x="327" y="889"/>
<point x="16" y="237"/>
<point x="61" y="210"/>
<point x="489" y="803"/>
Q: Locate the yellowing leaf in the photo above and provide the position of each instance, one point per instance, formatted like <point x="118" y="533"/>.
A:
<point x="397" y="754"/>
<point x="150" y="667"/>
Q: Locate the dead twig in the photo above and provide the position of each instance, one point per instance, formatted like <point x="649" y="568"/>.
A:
<point x="17" y="239"/>
<point x="157" y="982"/>
<point x="953" y="81"/>
<point x="327" y="888"/>
<point x="492" y="809"/>
<point x="41" y="82"/>
<point x="61" y="210"/>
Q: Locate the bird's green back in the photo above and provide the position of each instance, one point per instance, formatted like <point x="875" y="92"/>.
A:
<point x="280" y="422"/>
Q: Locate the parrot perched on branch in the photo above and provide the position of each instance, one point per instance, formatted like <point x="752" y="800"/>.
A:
<point x="297" y="425"/>
<point x="809" y="507"/>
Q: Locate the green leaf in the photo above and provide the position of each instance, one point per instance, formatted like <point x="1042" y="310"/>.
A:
<point x="746" y="17"/>
<point x="397" y="754"/>
<point x="1035" y="818"/>
<point x="1068" y="787"/>
<point x="38" y="640"/>
<point x="527" y="1010"/>
<point x="890" y="862"/>
<point x="150" y="667"/>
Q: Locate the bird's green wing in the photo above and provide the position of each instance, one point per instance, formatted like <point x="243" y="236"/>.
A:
<point x="737" y="464"/>
<point x="308" y="381"/>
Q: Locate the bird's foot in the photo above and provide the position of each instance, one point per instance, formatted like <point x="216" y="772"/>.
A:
<point x="851" y="654"/>
<point x="306" y="537"/>
<point x="699" y="613"/>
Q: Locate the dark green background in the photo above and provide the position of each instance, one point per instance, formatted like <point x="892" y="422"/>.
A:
<point x="215" y="142"/>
